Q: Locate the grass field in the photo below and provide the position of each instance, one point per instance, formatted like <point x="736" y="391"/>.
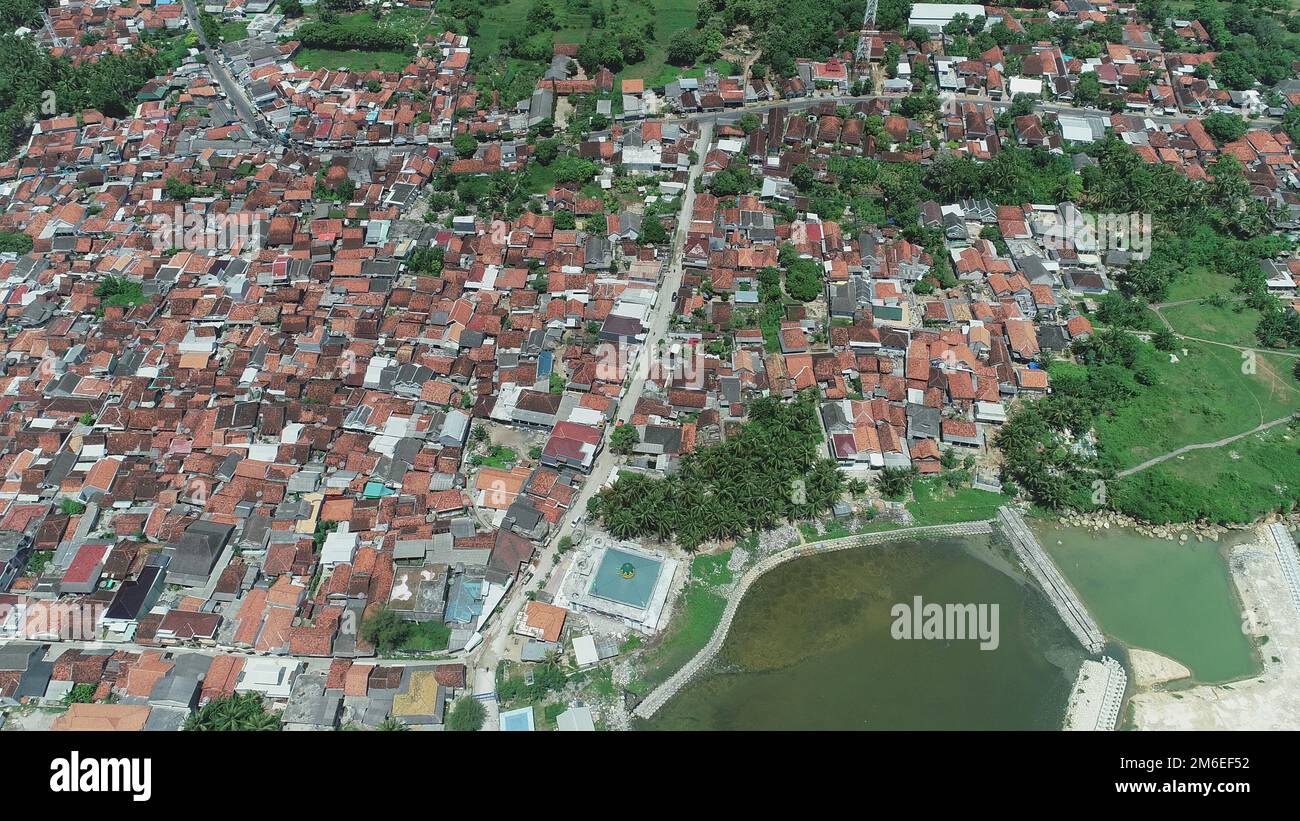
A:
<point x="1240" y="482"/>
<point x="1261" y="472"/>
<point x="932" y="503"/>
<point x="935" y="504"/>
<point x="698" y="611"/>
<point x="1199" y="284"/>
<point x="1233" y="323"/>
<point x="670" y="17"/>
<point x="499" y="22"/>
<point x="1203" y="397"/>
<point x="234" y="31"/>
<point x="510" y="18"/>
<point x="314" y="58"/>
<point x="497" y="457"/>
<point x="698" y="615"/>
<point x="415" y="22"/>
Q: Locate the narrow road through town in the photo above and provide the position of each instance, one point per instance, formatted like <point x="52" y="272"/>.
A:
<point x="483" y="660"/>
<point x="233" y="90"/>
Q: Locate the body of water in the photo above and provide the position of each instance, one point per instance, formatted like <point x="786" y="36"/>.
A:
<point x="1174" y="599"/>
<point x="811" y="648"/>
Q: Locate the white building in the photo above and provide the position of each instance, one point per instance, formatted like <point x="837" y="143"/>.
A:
<point x="934" y="16"/>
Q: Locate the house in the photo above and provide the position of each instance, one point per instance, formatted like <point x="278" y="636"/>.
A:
<point x="196" y="554"/>
<point x="542" y="621"/>
<point x="572" y="445"/>
<point x="96" y="717"/>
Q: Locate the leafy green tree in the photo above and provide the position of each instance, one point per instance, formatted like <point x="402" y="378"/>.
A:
<point x="573" y="169"/>
<point x="211" y="27"/>
<point x="1224" y="128"/>
<point x="565" y="221"/>
<point x="426" y="261"/>
<point x="803" y="177"/>
<point x="1088" y="90"/>
<point x="15" y="242"/>
<point x="684" y="48"/>
<point x="895" y="483"/>
<point x="72" y="507"/>
<point x="80" y="694"/>
<point x="20" y="13"/>
<point x="545" y="151"/>
<point x="653" y="231"/>
<point x="467" y="715"/>
<point x="541" y="17"/>
<point x="464" y="145"/>
<point x="803" y="280"/>
<point x="624" y="438"/>
<point x="386" y="629"/>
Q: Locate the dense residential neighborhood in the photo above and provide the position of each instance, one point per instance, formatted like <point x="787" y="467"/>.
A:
<point x="371" y="387"/>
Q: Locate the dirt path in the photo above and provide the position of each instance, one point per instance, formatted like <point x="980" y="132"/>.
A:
<point x="1202" y="446"/>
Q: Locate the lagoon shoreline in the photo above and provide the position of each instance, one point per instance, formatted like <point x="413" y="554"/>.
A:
<point x="1269" y="700"/>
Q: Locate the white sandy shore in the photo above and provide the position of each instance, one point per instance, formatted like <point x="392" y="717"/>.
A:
<point x="1150" y="669"/>
<point x="1268" y="701"/>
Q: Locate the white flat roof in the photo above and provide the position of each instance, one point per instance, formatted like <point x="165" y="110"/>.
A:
<point x="584" y="651"/>
<point x="944" y="11"/>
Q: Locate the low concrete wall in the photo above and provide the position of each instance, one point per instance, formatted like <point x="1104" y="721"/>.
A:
<point x="661" y="694"/>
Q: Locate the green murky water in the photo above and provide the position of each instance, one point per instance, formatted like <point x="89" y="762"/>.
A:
<point x="811" y="648"/>
<point x="1176" y="600"/>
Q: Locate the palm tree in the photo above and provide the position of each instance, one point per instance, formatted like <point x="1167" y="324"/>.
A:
<point x="392" y="725"/>
<point x="243" y="712"/>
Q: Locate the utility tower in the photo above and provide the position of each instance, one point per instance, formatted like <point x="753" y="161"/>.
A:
<point x="868" y="25"/>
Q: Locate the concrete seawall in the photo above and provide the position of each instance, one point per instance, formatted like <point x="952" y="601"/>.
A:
<point x="661" y="694"/>
<point x="1289" y="559"/>
<point x="1049" y="578"/>
<point x="1097" y="696"/>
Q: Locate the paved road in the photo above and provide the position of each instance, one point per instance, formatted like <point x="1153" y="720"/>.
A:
<point x="234" y="91"/>
<point x="800" y="103"/>
<point x="483" y="660"/>
<point x="1203" y="446"/>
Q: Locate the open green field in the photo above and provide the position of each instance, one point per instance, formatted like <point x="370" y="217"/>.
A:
<point x="696" y="616"/>
<point x="1259" y="473"/>
<point x="415" y="22"/>
<point x="234" y="31"/>
<point x="1199" y="284"/>
<point x="314" y="58"/>
<point x="1233" y="323"/>
<point x="574" y="26"/>
<point x="935" y="504"/>
<point x="691" y="627"/>
<point x="1204" y="396"/>
<point x="670" y="17"/>
<point x="511" y="17"/>
<point x="932" y="503"/>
